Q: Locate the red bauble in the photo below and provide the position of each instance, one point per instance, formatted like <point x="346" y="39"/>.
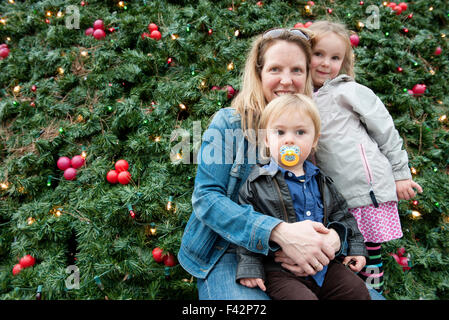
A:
<point x="438" y="51"/>
<point x="156" y="35"/>
<point x="403" y="6"/>
<point x="308" y="24"/>
<point x="121" y="165"/>
<point x="215" y="88"/>
<point x="77" y="162"/>
<point x="157" y="254"/>
<point x="4" y="52"/>
<point x="112" y="176"/>
<point x="16" y="269"/>
<point x="152" y="27"/>
<point x="89" y="31"/>
<point x="145" y="35"/>
<point x="231" y="91"/>
<point x="33" y="88"/>
<point x="398" y="10"/>
<point x="299" y="25"/>
<point x="64" y="163"/>
<point x="27" y="261"/>
<point x="99" y="24"/>
<point x="169" y="260"/>
<point x="354" y="40"/>
<point x="124" y="177"/>
<point x="99" y="34"/>
<point x="391" y="5"/>
<point x="419" y="89"/>
<point x="70" y="173"/>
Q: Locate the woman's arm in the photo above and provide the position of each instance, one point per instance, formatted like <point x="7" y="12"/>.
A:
<point x="239" y="224"/>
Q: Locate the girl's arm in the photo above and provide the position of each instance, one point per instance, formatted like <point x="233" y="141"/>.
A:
<point x="379" y="125"/>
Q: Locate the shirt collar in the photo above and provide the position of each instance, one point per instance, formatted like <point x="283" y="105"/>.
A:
<point x="310" y="169"/>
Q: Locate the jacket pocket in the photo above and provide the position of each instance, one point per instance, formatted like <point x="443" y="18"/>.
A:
<point x="369" y="174"/>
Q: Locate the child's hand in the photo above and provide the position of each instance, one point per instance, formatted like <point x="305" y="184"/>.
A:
<point x="357" y="265"/>
<point x="253" y="282"/>
<point x="404" y="189"/>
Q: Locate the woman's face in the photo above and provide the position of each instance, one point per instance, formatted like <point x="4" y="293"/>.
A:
<point x="284" y="70"/>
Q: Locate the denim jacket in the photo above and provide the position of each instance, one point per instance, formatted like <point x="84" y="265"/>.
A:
<point x="225" y="160"/>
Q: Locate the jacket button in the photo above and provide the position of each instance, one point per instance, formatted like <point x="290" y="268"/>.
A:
<point x="259" y="245"/>
<point x="308" y="213"/>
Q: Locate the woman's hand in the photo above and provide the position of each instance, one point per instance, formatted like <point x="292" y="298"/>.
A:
<point x="308" y="244"/>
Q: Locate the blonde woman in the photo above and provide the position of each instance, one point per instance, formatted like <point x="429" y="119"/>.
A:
<point x="277" y="64"/>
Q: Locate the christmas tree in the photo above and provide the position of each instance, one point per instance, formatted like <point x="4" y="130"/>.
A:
<point x="84" y="84"/>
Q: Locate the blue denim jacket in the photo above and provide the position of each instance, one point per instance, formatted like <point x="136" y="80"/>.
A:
<point x="225" y="160"/>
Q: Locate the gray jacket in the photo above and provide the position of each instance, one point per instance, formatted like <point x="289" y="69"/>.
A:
<point x="359" y="147"/>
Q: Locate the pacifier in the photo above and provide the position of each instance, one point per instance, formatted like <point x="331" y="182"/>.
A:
<point x="289" y="155"/>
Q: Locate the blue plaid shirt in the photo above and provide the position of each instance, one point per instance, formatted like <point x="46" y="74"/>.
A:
<point x="306" y="198"/>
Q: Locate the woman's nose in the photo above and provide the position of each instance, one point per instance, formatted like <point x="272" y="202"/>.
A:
<point x="286" y="79"/>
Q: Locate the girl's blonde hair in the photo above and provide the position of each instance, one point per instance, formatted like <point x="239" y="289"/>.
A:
<point x="250" y="101"/>
<point x="322" y="28"/>
<point x="289" y="104"/>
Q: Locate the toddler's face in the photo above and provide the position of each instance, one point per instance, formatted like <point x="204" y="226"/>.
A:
<point x="327" y="58"/>
<point x="290" y="129"/>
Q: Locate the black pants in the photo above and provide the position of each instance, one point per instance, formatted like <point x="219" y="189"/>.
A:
<point x="340" y="283"/>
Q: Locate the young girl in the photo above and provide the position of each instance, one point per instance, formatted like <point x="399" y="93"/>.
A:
<point x="292" y="189"/>
<point x="359" y="148"/>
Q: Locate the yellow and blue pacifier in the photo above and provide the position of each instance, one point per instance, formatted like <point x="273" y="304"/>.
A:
<point x="289" y="155"/>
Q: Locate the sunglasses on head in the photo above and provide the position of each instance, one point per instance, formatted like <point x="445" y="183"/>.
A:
<point x="276" y="33"/>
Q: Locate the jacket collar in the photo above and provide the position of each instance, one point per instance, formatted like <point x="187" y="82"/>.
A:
<point x="272" y="168"/>
<point x="334" y="82"/>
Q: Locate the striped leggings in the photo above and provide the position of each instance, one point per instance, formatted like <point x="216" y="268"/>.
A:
<point x="373" y="272"/>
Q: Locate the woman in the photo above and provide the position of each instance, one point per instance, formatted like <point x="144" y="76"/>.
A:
<point x="277" y="64"/>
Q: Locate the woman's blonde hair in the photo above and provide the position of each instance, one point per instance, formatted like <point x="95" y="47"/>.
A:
<point x="322" y="28"/>
<point x="250" y="101"/>
<point x="289" y="104"/>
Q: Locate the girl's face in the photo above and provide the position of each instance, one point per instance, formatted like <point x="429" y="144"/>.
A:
<point x="284" y="70"/>
<point x="327" y="58"/>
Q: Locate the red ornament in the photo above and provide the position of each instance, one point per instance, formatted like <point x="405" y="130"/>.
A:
<point x="16" y="269"/>
<point x="354" y="38"/>
<point x="4" y="52"/>
<point x="99" y="24"/>
<point x="308" y="24"/>
<point x="124" y="177"/>
<point x="99" y="34"/>
<point x="215" y="88"/>
<point x="152" y="27"/>
<point x="157" y="254"/>
<point x="231" y="91"/>
<point x="156" y="35"/>
<point x="398" y="10"/>
<point x="169" y="260"/>
<point x="391" y="5"/>
<point x="361" y="3"/>
<point x="47" y="21"/>
<point x="83" y="3"/>
<point x="32" y="104"/>
<point x="298" y="25"/>
<point x="27" y="261"/>
<point x="419" y="89"/>
<point x="329" y="10"/>
<point x="145" y="35"/>
<point x="89" y="31"/>
<point x="70" y="173"/>
<point x="403" y="6"/>
<point x="410" y="16"/>
<point x="63" y="163"/>
<point x="399" y="69"/>
<point x="112" y="176"/>
<point x="405" y="30"/>
<point x="310" y="3"/>
<point x="210" y="31"/>
<point x="121" y="165"/>
<point x="33" y="88"/>
<point x="77" y="162"/>
<point x="404" y="262"/>
<point x="438" y="51"/>
<point x="259" y="3"/>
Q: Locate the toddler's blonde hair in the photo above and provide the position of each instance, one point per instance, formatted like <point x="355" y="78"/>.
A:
<point x="289" y="104"/>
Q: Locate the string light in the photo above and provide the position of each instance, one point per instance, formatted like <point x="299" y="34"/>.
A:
<point x="59" y="14"/>
<point x="84" y="53"/>
<point x="416" y="214"/>
<point x="60" y="70"/>
<point x="230" y="66"/>
<point x="413" y="170"/>
<point x="182" y="106"/>
<point x="30" y="221"/>
<point x="169" y="203"/>
<point x="174" y="36"/>
<point x="4" y="185"/>
<point x="442" y="118"/>
<point x="16" y="89"/>
<point x="3" y="21"/>
<point x="48" y="14"/>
